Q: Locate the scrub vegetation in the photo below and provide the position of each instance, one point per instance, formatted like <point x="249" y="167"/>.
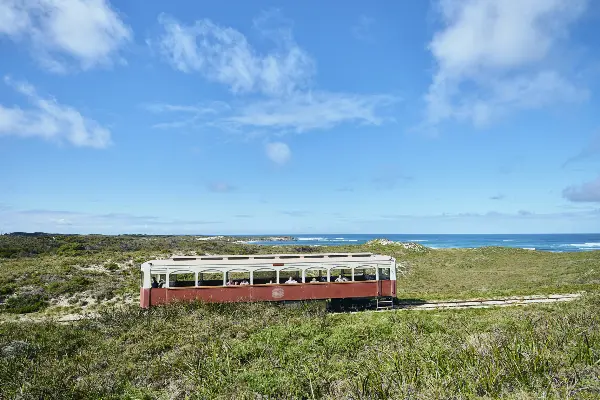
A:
<point x="268" y="351"/>
<point x="45" y="272"/>
<point x="249" y="351"/>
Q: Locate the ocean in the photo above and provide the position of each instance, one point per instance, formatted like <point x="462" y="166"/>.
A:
<point x="542" y="242"/>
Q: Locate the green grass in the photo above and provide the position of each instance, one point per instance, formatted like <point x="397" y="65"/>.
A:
<point x="252" y="350"/>
<point x="489" y="272"/>
<point x="102" y="267"/>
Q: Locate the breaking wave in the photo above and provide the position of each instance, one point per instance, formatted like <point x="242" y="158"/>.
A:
<point x="323" y="239"/>
<point x="588" y="244"/>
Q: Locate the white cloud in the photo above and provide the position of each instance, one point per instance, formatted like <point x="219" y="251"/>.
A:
<point x="50" y="120"/>
<point x="493" y="56"/>
<point x="278" y="152"/>
<point x="224" y="55"/>
<point x="14" y="17"/>
<point x="187" y="115"/>
<point x="66" y="32"/>
<point x="587" y="192"/>
<point x="312" y="110"/>
<point x="273" y="89"/>
<point x="300" y="112"/>
<point x="213" y="108"/>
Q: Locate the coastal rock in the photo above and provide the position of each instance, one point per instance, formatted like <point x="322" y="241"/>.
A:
<point x="416" y="247"/>
<point x="211" y="238"/>
<point x="246" y="239"/>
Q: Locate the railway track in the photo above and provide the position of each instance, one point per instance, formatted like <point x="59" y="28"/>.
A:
<point x="485" y="303"/>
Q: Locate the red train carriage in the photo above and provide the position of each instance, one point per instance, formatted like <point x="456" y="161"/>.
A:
<point x="268" y="277"/>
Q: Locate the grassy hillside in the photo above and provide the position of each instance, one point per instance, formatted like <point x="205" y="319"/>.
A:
<point x="259" y="351"/>
<point x="262" y="351"/>
<point x="485" y="272"/>
<point x="61" y="274"/>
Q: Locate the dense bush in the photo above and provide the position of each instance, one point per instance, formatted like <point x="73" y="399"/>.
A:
<point x="23" y="245"/>
<point x="25" y="303"/>
<point x="6" y="289"/>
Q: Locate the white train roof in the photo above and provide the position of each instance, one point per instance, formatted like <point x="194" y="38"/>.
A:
<point x="267" y="262"/>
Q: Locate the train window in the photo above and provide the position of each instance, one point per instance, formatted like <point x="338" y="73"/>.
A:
<point x="236" y="278"/>
<point x="285" y="257"/>
<point x="264" y="276"/>
<point x="159" y="277"/>
<point x="316" y="274"/>
<point x="183" y="258"/>
<point x="384" y="274"/>
<point x="364" y="274"/>
<point x="182" y="280"/>
<point x="341" y="273"/>
<point x="286" y="274"/>
<point x="210" y="278"/>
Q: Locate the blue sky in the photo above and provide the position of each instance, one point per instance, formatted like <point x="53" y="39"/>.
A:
<point x="233" y="117"/>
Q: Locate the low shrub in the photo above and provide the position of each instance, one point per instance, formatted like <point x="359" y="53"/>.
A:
<point x="73" y="285"/>
<point x="6" y="290"/>
<point x="25" y="303"/>
<point x="104" y="294"/>
<point x="112" y="266"/>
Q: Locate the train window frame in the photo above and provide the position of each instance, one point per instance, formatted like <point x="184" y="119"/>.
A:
<point x="246" y="276"/>
<point x="214" y="271"/>
<point x="299" y="276"/>
<point x="342" y="268"/>
<point x="272" y="278"/>
<point x="385" y="276"/>
<point x="320" y="277"/>
<point x="372" y="276"/>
